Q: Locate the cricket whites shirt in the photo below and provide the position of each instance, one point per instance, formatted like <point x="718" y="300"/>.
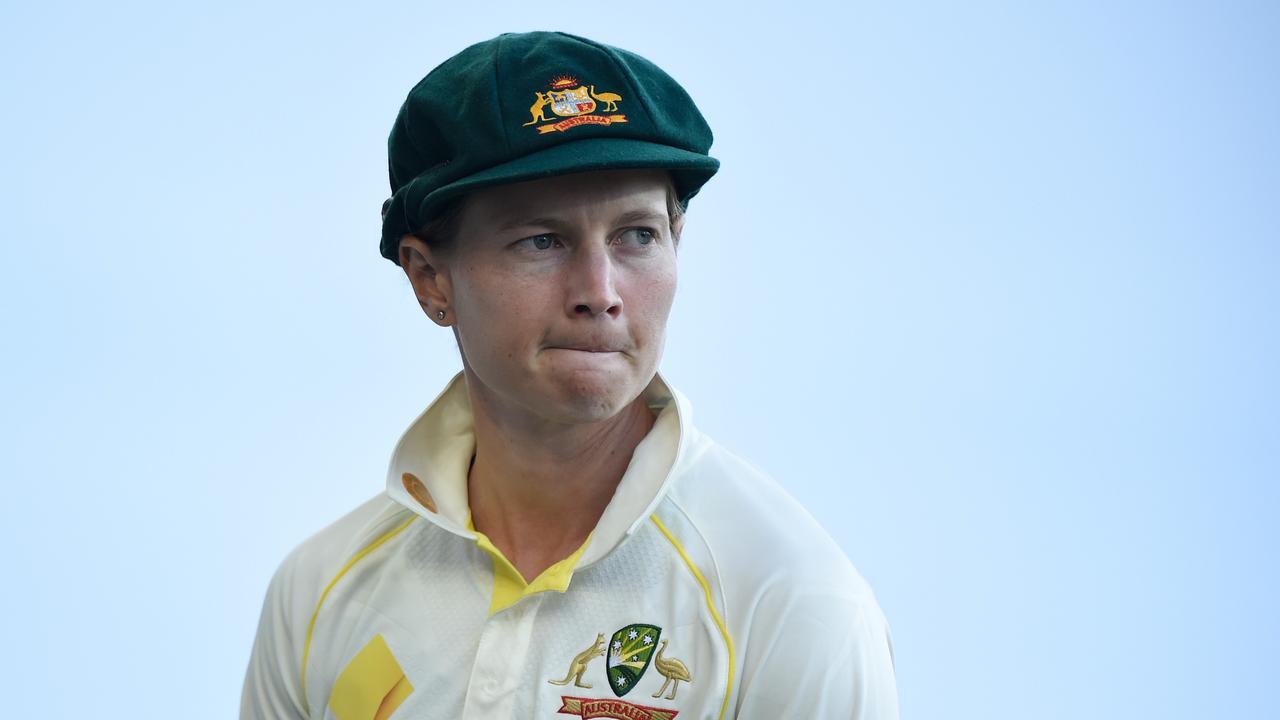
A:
<point x="704" y="592"/>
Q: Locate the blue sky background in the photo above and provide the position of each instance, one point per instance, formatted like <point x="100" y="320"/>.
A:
<point x="990" y="287"/>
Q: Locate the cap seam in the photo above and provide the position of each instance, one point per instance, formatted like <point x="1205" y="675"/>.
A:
<point x="497" y="91"/>
<point x="625" y="71"/>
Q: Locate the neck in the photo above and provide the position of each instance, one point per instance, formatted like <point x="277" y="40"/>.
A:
<point x="537" y="489"/>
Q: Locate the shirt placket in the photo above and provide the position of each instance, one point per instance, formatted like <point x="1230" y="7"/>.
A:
<point x="501" y="664"/>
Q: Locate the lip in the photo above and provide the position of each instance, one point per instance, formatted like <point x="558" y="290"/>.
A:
<point x="585" y="348"/>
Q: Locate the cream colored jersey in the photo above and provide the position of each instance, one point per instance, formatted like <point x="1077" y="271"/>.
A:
<point x="704" y="592"/>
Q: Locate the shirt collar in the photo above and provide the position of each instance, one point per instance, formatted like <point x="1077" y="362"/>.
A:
<point x="428" y="469"/>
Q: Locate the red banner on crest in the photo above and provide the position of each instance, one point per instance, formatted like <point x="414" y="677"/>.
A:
<point x="581" y="120"/>
<point x="588" y="708"/>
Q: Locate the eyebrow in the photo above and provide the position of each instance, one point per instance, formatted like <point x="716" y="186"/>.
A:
<point x="626" y="218"/>
<point x="633" y="216"/>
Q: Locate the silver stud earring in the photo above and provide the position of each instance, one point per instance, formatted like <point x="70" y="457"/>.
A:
<point x="439" y="314"/>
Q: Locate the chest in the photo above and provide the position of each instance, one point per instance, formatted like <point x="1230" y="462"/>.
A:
<point x="410" y="636"/>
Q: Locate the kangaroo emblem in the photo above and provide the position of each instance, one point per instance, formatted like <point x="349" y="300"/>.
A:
<point x="538" y="110"/>
<point x="610" y="100"/>
<point x="579" y="664"/>
<point x="672" y="669"/>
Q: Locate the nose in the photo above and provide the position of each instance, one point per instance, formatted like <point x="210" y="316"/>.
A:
<point x="593" y="288"/>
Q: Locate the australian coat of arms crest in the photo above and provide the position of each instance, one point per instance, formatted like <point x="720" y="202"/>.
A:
<point x="572" y="104"/>
<point x="628" y="654"/>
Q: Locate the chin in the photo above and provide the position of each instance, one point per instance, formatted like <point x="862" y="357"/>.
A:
<point x="591" y="398"/>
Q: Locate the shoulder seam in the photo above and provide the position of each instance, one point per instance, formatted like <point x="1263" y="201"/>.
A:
<point x="715" y="566"/>
<point x="706" y="589"/>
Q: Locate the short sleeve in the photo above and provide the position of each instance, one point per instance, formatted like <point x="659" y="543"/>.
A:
<point x="818" y="655"/>
<point x="272" y="685"/>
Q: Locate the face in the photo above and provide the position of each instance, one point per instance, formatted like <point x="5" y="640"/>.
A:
<point x="559" y="292"/>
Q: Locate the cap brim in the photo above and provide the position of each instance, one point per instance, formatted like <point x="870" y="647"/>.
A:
<point x="689" y="170"/>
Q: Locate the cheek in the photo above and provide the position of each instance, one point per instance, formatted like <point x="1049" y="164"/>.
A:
<point x="670" y="285"/>
<point x="496" y="314"/>
<point x="653" y="294"/>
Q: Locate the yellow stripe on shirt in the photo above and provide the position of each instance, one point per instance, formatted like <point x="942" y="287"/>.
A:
<point x="711" y="606"/>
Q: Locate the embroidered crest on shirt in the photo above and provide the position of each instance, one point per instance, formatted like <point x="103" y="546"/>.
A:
<point x="610" y="708"/>
<point x="673" y="670"/>
<point x="579" y="664"/>
<point x="630" y="650"/>
<point x="575" y="104"/>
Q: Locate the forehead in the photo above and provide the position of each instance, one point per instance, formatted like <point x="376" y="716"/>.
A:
<point x="588" y="196"/>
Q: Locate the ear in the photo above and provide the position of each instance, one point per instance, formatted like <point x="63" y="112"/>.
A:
<point x="429" y="276"/>
<point x="676" y="228"/>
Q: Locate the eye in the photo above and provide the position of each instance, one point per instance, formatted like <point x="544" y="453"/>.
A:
<point x="641" y="236"/>
<point x="541" y="242"/>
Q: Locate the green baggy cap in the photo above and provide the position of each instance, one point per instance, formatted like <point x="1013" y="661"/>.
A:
<point x="525" y="106"/>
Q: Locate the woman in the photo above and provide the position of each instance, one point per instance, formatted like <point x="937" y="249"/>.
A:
<point x="556" y="538"/>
